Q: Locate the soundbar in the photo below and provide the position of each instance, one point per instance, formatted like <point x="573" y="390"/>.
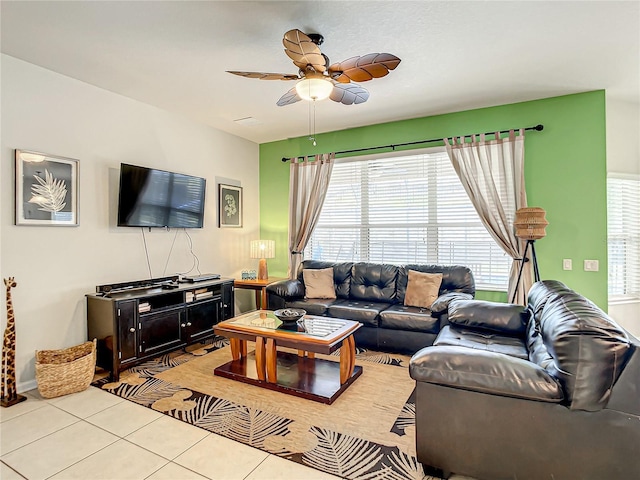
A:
<point x="135" y="285"/>
<point x="201" y="278"/>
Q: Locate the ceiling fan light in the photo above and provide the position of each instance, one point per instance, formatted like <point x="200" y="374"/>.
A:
<point x="313" y="89"/>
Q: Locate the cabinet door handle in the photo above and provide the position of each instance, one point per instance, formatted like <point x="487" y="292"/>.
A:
<point x="183" y="325"/>
<point x="188" y="324"/>
<point x="132" y="329"/>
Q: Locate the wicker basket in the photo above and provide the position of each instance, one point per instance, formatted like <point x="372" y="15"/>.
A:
<point x="60" y="372"/>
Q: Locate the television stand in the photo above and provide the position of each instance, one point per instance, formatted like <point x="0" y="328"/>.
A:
<point x="136" y="321"/>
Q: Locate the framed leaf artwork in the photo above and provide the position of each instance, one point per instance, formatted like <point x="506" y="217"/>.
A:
<point x="47" y="188"/>
<point x="229" y="206"/>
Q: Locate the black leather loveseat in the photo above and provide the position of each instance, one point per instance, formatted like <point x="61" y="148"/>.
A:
<point x="547" y="392"/>
<point x="374" y="294"/>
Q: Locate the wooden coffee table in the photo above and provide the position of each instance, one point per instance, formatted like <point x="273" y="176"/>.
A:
<point x="300" y="374"/>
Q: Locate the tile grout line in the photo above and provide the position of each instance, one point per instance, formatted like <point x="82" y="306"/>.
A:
<point x="11" y="468"/>
<point x="84" y="458"/>
<point x="258" y="466"/>
<point x="182" y="466"/>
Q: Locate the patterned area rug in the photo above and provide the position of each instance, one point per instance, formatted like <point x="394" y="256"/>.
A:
<point x="367" y="433"/>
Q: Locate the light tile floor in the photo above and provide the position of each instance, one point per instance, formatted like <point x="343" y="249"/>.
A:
<point x="96" y="435"/>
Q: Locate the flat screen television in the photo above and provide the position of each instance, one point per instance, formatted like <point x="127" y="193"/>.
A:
<point x="156" y="198"/>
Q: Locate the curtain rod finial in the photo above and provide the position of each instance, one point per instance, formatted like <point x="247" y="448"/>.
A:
<point x="539" y="127"/>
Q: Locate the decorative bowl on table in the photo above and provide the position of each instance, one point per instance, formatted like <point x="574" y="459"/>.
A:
<point x="289" y="316"/>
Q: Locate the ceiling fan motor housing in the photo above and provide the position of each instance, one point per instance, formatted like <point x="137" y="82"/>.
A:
<point x="316" y="38"/>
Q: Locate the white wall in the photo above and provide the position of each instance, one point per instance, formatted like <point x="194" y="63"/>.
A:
<point x="623" y="156"/>
<point x="623" y="137"/>
<point x="56" y="266"/>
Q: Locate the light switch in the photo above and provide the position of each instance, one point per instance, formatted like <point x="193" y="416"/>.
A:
<point x="567" y="264"/>
<point x="591" y="265"/>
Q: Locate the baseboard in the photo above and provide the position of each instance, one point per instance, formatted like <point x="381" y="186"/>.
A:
<point x="26" y="386"/>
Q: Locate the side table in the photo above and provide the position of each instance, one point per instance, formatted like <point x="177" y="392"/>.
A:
<point x="260" y="287"/>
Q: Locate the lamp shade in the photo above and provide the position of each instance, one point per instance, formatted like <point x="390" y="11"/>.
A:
<point x="314" y="88"/>
<point x="530" y="223"/>
<point x="263" y="249"/>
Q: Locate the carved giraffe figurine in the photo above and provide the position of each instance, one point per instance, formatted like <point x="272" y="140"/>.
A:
<point x="9" y="392"/>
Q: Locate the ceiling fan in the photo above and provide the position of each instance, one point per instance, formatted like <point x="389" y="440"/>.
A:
<point x="317" y="80"/>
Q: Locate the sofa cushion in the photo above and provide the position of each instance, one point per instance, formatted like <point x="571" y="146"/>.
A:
<point x="415" y="319"/>
<point x="482" y="340"/>
<point x="422" y="288"/>
<point x="341" y="274"/>
<point x="586" y="349"/>
<point x="360" y="311"/>
<point x="455" y="278"/>
<point x="373" y="282"/>
<point x="504" y="318"/>
<point x="313" y="306"/>
<point x="484" y="371"/>
<point x="318" y="283"/>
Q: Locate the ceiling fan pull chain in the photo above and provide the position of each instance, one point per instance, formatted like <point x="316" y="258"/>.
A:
<point x="314" y="123"/>
<point x="310" y="136"/>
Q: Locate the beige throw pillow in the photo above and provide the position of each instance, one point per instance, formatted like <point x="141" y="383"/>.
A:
<point x="422" y="289"/>
<point x="318" y="283"/>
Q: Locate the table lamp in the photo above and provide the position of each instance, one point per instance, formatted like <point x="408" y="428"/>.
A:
<point x="263" y="249"/>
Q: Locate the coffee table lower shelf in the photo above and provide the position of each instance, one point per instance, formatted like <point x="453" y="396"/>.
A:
<point x="311" y="378"/>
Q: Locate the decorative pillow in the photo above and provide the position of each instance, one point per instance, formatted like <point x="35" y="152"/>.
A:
<point x="422" y="288"/>
<point x="318" y="283"/>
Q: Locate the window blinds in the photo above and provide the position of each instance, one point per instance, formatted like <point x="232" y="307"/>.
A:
<point x="623" y="226"/>
<point x="405" y="209"/>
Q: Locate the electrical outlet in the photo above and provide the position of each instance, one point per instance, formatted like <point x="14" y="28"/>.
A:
<point x="567" y="264"/>
<point x="591" y="265"/>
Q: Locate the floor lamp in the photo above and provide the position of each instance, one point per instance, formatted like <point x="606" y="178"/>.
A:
<point x="530" y="225"/>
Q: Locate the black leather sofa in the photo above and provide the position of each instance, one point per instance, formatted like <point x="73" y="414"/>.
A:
<point x="551" y="391"/>
<point x="374" y="294"/>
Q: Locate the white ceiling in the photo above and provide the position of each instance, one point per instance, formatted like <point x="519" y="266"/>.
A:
<point x="455" y="55"/>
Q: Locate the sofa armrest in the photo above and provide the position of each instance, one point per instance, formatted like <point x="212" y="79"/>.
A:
<point x="504" y="318"/>
<point x="441" y="304"/>
<point x="484" y="371"/>
<point x="283" y="291"/>
<point x="287" y="289"/>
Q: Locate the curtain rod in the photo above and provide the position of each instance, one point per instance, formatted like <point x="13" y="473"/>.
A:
<point x="537" y="128"/>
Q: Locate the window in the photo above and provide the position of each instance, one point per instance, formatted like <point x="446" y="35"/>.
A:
<point x="623" y="226"/>
<point x="402" y="209"/>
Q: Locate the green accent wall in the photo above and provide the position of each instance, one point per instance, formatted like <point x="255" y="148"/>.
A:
<point x="565" y="173"/>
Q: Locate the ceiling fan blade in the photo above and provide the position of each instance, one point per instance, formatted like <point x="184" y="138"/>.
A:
<point x="366" y="67"/>
<point x="349" y="94"/>
<point x="301" y="49"/>
<point x="266" y="76"/>
<point x="288" y="98"/>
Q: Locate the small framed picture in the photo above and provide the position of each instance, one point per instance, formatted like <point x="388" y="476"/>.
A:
<point x="47" y="189"/>
<point x="229" y="206"/>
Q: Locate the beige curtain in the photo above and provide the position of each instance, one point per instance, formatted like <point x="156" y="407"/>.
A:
<point x="308" y="183"/>
<point x="492" y="172"/>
